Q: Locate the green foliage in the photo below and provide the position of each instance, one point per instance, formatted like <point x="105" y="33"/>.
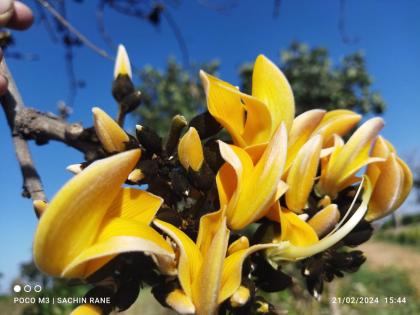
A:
<point x="175" y="90"/>
<point x="369" y="283"/>
<point x="405" y="220"/>
<point x="316" y="83"/>
<point x="407" y="235"/>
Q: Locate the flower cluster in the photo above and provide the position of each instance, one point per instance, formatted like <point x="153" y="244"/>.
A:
<point x="211" y="222"/>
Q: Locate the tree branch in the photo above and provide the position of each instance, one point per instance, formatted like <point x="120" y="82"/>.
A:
<point x="13" y="105"/>
<point x="30" y="124"/>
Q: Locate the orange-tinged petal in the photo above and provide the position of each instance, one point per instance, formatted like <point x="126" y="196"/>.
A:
<point x="72" y="220"/>
<point x="116" y="237"/>
<point x="224" y="104"/>
<point x="190" y="150"/>
<point x="111" y="135"/>
<point x="339" y="121"/>
<point x="295" y="230"/>
<point x="302" y="174"/>
<point x="190" y="259"/>
<point x="271" y="87"/>
<point x="135" y="204"/>
<point x="122" y="63"/>
<point x="209" y="225"/>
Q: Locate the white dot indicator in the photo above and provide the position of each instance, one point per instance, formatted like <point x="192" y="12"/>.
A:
<point x="17" y="288"/>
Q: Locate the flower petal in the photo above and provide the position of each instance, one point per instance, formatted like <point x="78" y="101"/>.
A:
<point x="239" y="244"/>
<point x="72" y="220"/>
<point x="232" y="270"/>
<point x="190" y="256"/>
<point x="391" y="188"/>
<point x="325" y="220"/>
<point x="339" y="122"/>
<point x="116" y="237"/>
<point x="207" y="284"/>
<point x="180" y="302"/>
<point x="302" y="128"/>
<point x="256" y="186"/>
<point x="258" y="125"/>
<point x="292" y="252"/>
<point x="224" y="104"/>
<point x="271" y="87"/>
<point x="190" y="150"/>
<point x="347" y="160"/>
<point x="302" y="174"/>
<point x="295" y="230"/>
<point x="135" y="204"/>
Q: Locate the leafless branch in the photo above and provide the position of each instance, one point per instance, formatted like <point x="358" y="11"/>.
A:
<point x="30" y="124"/>
<point x="13" y="106"/>
<point x="87" y="42"/>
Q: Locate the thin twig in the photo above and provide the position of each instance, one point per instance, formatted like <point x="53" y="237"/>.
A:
<point x="12" y="105"/>
<point x="179" y="37"/>
<point x="87" y="42"/>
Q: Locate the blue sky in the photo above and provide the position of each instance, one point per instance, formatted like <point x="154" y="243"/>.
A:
<point x="387" y="33"/>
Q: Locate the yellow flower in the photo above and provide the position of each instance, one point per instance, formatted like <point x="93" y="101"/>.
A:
<point x="207" y="277"/>
<point x="392" y="181"/>
<point x="252" y="120"/>
<point x="300" y="239"/>
<point x="92" y="219"/>
<point x="347" y="159"/>
<point x="190" y="150"/>
<point x="111" y="135"/>
<point x="248" y="190"/>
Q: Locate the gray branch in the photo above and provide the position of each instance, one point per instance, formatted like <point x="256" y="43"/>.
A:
<point x="30" y="124"/>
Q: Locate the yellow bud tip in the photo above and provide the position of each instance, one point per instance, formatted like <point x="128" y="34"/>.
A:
<point x="136" y="176"/>
<point x="240" y="297"/>
<point x="40" y="206"/>
<point x="74" y="168"/>
<point x="180" y="302"/>
<point x="111" y="135"/>
<point x="190" y="150"/>
<point x="122" y="63"/>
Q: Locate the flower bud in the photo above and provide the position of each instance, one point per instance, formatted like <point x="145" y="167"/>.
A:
<point x="190" y="150"/>
<point x="111" y="135"/>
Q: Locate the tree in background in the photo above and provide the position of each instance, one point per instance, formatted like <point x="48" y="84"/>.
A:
<point x="172" y="91"/>
<point x="316" y="82"/>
